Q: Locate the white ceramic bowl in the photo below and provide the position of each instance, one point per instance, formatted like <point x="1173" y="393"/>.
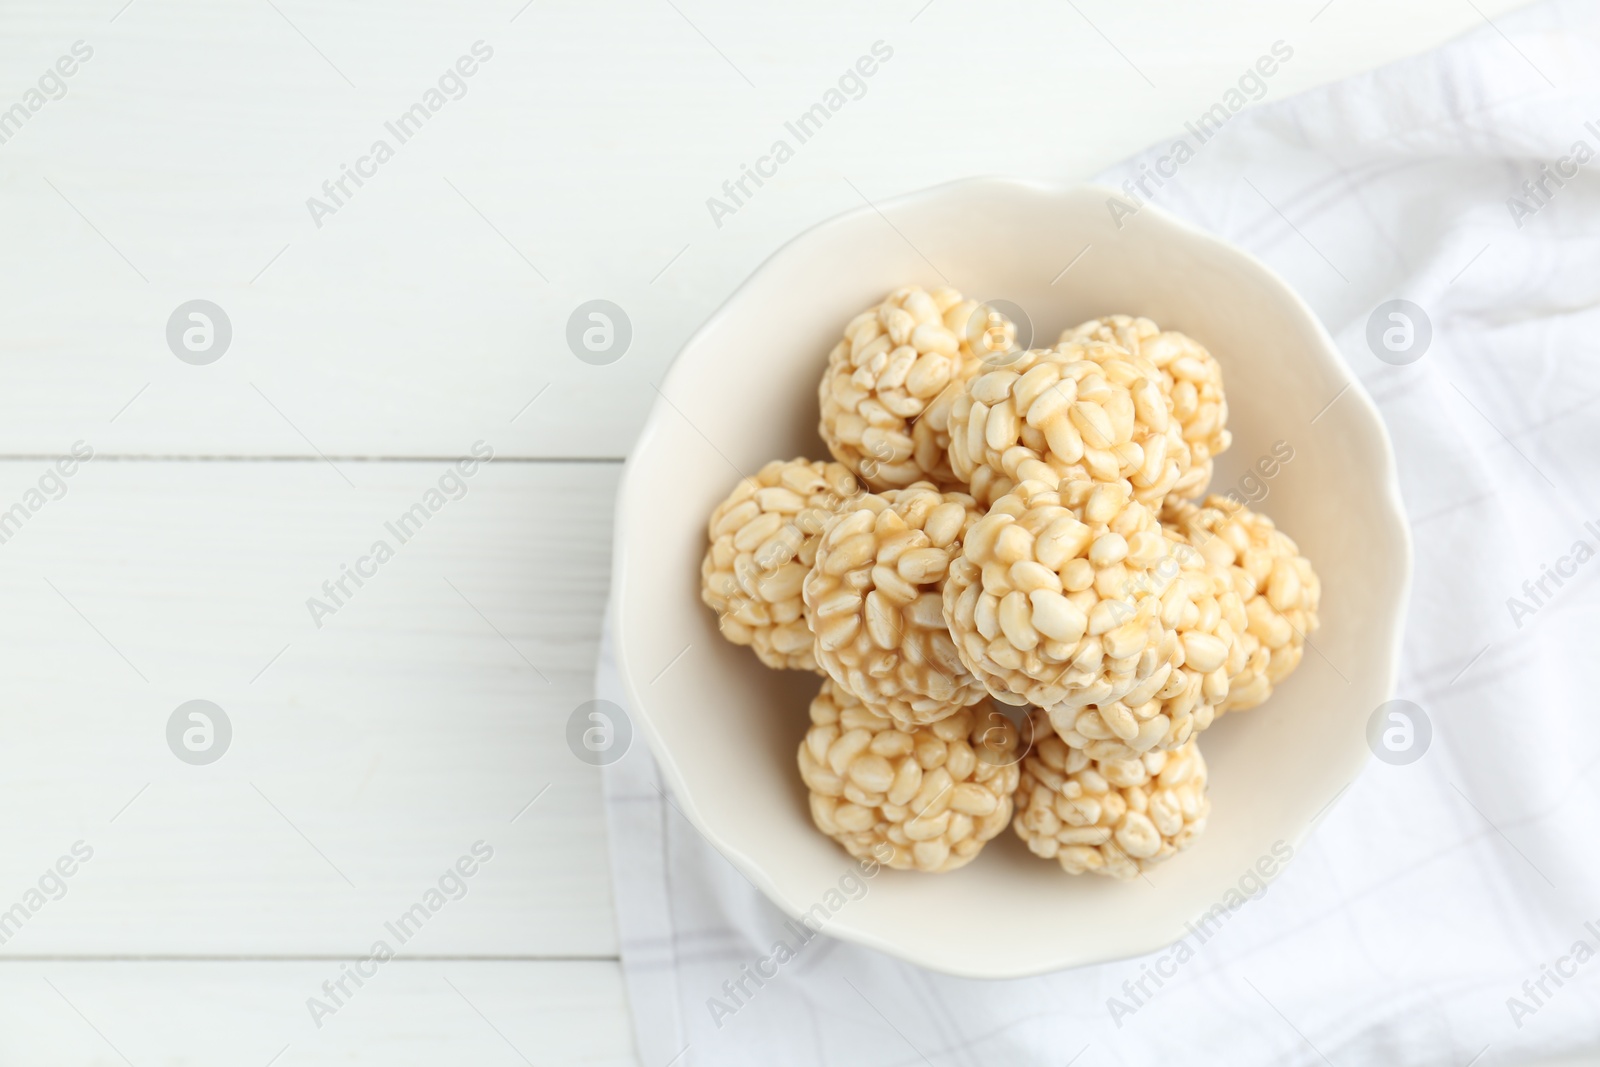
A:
<point x="744" y="391"/>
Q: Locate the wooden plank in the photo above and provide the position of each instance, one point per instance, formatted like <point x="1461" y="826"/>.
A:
<point x="432" y="306"/>
<point x="367" y="755"/>
<point x="167" y="1014"/>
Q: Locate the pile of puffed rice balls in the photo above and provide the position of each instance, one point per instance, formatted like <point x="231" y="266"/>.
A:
<point x="1018" y="527"/>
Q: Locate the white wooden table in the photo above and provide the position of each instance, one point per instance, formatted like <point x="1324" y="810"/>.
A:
<point x="374" y="340"/>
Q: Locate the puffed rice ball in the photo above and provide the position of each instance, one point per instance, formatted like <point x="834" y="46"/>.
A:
<point x="1185" y="693"/>
<point x="1191" y="378"/>
<point x="1065" y="595"/>
<point x="1277" y="589"/>
<point x="1084" y="410"/>
<point x="877" y="396"/>
<point x="763" y="542"/>
<point x="933" y="794"/>
<point x="874" y="598"/>
<point x="1113" y="817"/>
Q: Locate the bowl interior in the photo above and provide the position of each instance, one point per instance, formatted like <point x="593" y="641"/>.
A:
<point x="743" y="391"/>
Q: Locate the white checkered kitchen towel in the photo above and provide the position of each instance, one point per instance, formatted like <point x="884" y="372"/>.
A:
<point x="1436" y="913"/>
